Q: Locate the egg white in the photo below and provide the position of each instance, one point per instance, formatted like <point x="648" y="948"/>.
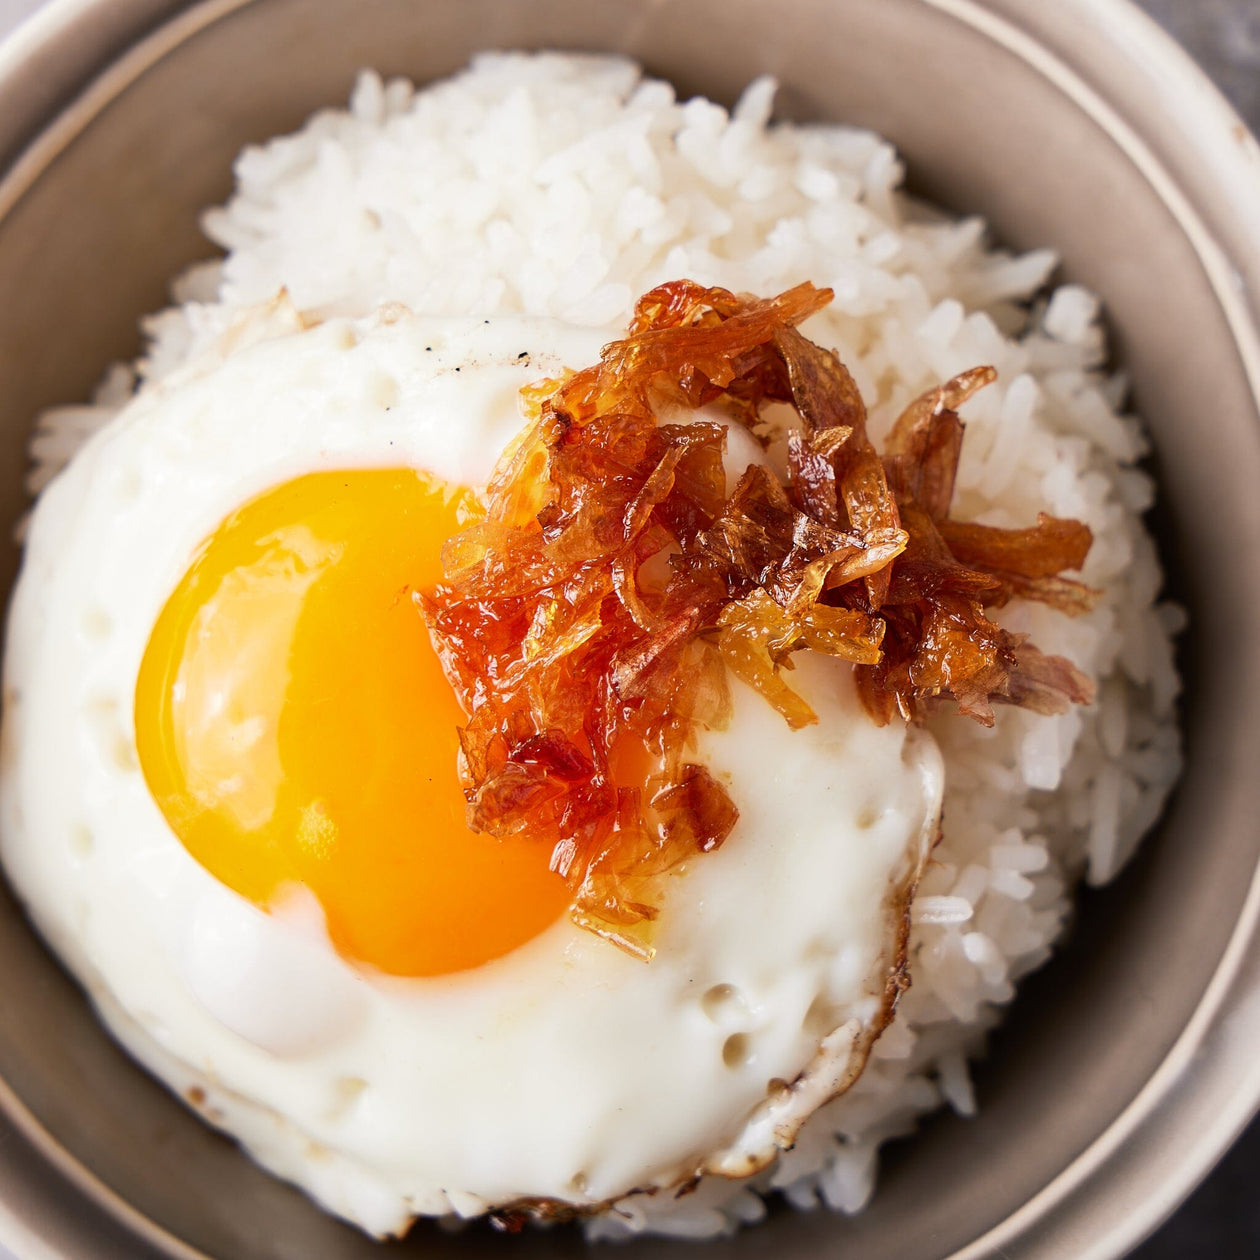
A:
<point x="565" y="1070"/>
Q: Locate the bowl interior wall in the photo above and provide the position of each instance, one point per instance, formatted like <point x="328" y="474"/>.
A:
<point x="91" y="246"/>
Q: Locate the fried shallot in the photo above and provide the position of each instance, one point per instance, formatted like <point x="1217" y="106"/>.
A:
<point x="588" y="622"/>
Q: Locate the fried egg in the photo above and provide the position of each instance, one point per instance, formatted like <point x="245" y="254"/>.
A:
<point x="229" y="801"/>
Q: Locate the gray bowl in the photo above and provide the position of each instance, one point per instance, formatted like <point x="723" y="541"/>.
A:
<point x="1127" y="1066"/>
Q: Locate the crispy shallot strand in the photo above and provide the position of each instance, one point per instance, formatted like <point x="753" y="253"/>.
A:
<point x="589" y="621"/>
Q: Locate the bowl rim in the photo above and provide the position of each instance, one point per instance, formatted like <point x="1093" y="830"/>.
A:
<point x="1211" y="1056"/>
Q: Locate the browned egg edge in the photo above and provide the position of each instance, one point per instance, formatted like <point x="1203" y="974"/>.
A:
<point x="512" y="1217"/>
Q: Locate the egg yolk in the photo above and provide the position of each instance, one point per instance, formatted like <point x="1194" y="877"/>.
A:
<point x="294" y="726"/>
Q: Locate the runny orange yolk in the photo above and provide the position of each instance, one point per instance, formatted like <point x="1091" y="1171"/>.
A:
<point x="295" y="727"/>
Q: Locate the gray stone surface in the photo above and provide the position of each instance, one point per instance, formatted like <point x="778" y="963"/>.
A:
<point x="1224" y="36"/>
<point x="1222" y="1219"/>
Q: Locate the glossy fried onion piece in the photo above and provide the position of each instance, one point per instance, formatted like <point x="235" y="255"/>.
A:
<point x="588" y="620"/>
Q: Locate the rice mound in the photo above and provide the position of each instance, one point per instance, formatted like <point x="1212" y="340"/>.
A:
<point x="565" y="186"/>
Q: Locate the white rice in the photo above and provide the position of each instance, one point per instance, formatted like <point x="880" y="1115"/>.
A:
<point x="565" y="186"/>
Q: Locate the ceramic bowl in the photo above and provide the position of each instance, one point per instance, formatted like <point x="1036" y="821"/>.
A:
<point x="1127" y="1065"/>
